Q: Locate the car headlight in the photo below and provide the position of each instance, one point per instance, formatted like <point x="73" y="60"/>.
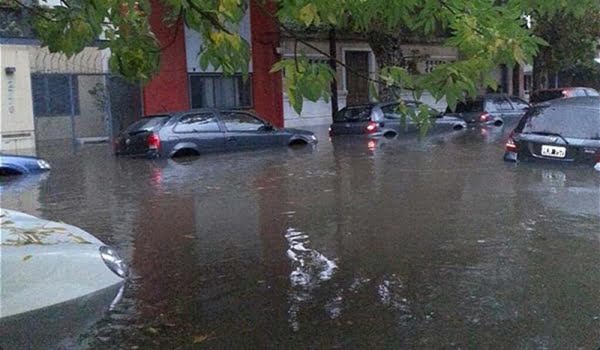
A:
<point x="43" y="164"/>
<point x="313" y="137"/>
<point x="114" y="262"/>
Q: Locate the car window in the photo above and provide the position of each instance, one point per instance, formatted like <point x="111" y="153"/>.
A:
<point x="198" y="122"/>
<point x="392" y="112"/>
<point x="239" y="121"/>
<point x="579" y="92"/>
<point x="502" y="104"/>
<point x="468" y="106"/>
<point x="568" y="121"/>
<point x="546" y="95"/>
<point x="518" y="103"/>
<point x="353" y="114"/>
<point x="148" y="123"/>
<point x="592" y="92"/>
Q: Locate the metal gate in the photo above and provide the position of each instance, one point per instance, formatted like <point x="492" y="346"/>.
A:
<point x="82" y="107"/>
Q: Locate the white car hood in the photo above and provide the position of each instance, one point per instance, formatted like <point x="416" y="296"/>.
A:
<point x="44" y="263"/>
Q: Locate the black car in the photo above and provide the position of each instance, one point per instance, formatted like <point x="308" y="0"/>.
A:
<point x="564" y="130"/>
<point x="201" y="131"/>
<point x="493" y="109"/>
<point x="384" y="119"/>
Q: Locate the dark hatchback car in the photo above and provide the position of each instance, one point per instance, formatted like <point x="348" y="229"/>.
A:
<point x="384" y="119"/>
<point x="564" y="130"/>
<point x="202" y="131"/>
<point x="493" y="109"/>
<point x="566" y="92"/>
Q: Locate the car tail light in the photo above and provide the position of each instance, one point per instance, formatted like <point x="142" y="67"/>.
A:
<point x="372" y="127"/>
<point x="510" y="144"/>
<point x="484" y="117"/>
<point x="153" y="141"/>
<point x="565" y="93"/>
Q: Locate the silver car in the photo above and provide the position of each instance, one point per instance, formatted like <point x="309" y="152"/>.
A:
<point x="384" y="119"/>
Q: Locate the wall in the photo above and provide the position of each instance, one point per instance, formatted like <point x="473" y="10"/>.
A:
<point x="168" y="90"/>
<point x="267" y="91"/>
<point x="16" y="108"/>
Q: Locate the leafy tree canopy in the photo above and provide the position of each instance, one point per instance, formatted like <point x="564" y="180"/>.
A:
<point x="485" y="32"/>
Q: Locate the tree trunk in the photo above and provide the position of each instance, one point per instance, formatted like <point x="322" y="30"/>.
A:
<point x="388" y="52"/>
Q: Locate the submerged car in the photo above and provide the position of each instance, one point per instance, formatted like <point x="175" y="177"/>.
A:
<point x="56" y="280"/>
<point x="565" y="92"/>
<point x="384" y="119"/>
<point x="564" y="130"/>
<point x="493" y="109"/>
<point x="20" y="165"/>
<point x="202" y="131"/>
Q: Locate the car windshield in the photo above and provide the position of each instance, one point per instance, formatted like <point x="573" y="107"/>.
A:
<point x="547" y="95"/>
<point x="353" y="114"/>
<point x="467" y="106"/>
<point x="147" y="123"/>
<point x="567" y="121"/>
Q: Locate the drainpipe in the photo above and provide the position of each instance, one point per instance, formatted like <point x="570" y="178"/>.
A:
<point x="332" y="64"/>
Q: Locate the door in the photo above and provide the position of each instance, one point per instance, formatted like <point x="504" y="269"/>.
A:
<point x="245" y="131"/>
<point x="356" y="84"/>
<point x="198" y="130"/>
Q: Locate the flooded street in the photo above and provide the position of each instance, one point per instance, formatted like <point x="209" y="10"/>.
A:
<point x="354" y="243"/>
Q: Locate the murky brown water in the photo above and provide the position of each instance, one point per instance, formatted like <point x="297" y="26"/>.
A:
<point x="436" y="244"/>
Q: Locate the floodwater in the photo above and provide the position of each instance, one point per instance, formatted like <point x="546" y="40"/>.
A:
<point x="404" y="244"/>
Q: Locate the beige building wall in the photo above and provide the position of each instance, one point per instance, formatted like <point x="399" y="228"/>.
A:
<point x="319" y="112"/>
<point x="16" y="108"/>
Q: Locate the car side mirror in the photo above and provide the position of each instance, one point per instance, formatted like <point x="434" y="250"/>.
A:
<point x="268" y="127"/>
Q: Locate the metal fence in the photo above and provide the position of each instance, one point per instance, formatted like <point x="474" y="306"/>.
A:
<point x="82" y="107"/>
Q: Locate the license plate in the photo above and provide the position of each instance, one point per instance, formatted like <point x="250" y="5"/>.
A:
<point x="554" y="151"/>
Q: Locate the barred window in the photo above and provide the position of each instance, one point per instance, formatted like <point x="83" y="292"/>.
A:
<point x="51" y="95"/>
<point x="219" y="91"/>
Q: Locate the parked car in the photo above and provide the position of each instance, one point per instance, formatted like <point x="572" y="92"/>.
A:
<point x="565" y="92"/>
<point x="564" y="130"/>
<point x="493" y="109"/>
<point x="201" y="131"/>
<point x="384" y="119"/>
<point x="56" y="279"/>
<point x="20" y="165"/>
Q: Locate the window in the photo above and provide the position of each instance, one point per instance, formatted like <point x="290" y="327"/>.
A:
<point x="51" y="95"/>
<point x="201" y="122"/>
<point x="592" y="92"/>
<point x="467" y="107"/>
<point x="502" y="104"/>
<point x="519" y="104"/>
<point x="579" y="92"/>
<point x="568" y="121"/>
<point x="392" y="112"/>
<point x="353" y="114"/>
<point x="238" y="121"/>
<point x="147" y="123"/>
<point x="218" y="91"/>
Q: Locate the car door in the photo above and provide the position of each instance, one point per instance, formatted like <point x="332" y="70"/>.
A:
<point x="392" y="118"/>
<point x="200" y="130"/>
<point x="519" y="105"/>
<point x="245" y="131"/>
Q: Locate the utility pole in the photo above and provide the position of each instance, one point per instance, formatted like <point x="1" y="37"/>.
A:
<point x="332" y="64"/>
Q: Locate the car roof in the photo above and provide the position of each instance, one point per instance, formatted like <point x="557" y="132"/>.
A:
<point x="580" y="101"/>
<point x="564" y="88"/>
<point x="197" y="110"/>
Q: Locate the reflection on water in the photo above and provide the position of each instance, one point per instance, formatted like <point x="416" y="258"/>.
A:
<point x="398" y="244"/>
<point x="310" y="268"/>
